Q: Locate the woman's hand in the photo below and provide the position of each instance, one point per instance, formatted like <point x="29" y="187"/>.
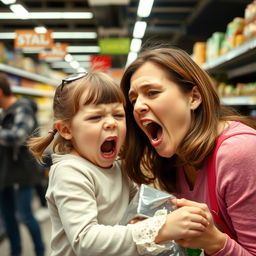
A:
<point x="211" y="239"/>
<point x="184" y="223"/>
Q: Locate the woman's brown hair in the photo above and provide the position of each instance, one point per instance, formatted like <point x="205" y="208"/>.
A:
<point x="100" y="88"/>
<point x="141" y="161"/>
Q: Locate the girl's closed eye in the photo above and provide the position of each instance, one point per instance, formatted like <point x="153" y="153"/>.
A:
<point x="119" y="116"/>
<point x="94" y="118"/>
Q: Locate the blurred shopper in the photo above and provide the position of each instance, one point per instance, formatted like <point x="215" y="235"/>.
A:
<point x="18" y="169"/>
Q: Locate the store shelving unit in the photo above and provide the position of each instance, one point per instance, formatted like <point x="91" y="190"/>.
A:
<point x="239" y="63"/>
<point x="32" y="76"/>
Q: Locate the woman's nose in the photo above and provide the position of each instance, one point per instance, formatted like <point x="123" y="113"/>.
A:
<point x="140" y="106"/>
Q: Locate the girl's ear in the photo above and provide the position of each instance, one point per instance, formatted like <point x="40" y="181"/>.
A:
<point x="196" y="98"/>
<point x="64" y="130"/>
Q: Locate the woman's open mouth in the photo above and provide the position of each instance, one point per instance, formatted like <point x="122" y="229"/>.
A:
<point x="108" y="148"/>
<point x="154" y="132"/>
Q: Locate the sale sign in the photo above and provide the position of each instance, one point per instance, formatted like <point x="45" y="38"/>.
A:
<point x="30" y="40"/>
<point x="58" y="52"/>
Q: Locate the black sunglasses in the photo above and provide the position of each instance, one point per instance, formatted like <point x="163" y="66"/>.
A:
<point x="72" y="78"/>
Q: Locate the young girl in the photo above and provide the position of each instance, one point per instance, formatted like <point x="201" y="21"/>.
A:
<point x="88" y="193"/>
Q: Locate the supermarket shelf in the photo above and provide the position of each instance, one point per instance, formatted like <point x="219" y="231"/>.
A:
<point x="29" y="75"/>
<point x="239" y="100"/>
<point x="242" y="52"/>
<point x="32" y="91"/>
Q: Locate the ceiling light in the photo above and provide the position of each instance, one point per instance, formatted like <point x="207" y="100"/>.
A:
<point x="74" y="64"/>
<point x="19" y="11"/>
<point x="91" y="49"/>
<point x="131" y="57"/>
<point x="108" y="2"/>
<point x="49" y="15"/>
<point x="81" y="57"/>
<point x="8" y="1"/>
<point x="135" y="45"/>
<point x="144" y="8"/>
<point x="139" y="29"/>
<point x="68" y="58"/>
<point x="57" y="35"/>
<point x="74" y="35"/>
<point x="40" y="29"/>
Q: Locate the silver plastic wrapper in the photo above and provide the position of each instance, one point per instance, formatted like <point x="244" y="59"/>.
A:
<point x="145" y="203"/>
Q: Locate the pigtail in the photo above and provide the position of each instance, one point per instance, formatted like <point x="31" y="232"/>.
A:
<point x="37" y="145"/>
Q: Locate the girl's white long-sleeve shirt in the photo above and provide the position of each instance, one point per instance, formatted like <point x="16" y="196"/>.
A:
<point x="86" y="203"/>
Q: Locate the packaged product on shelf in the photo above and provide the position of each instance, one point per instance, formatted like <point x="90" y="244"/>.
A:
<point x="214" y="44"/>
<point x="3" y="53"/>
<point x="199" y="52"/>
<point x="234" y="28"/>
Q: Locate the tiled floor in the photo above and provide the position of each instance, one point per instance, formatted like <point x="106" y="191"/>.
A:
<point x="26" y="240"/>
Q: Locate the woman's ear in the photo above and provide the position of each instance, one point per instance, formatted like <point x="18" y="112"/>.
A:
<point x="64" y="130"/>
<point x="196" y="98"/>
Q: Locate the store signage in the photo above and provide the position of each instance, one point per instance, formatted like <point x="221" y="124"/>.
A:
<point x="58" y="52"/>
<point x="114" y="45"/>
<point x="27" y="40"/>
<point x="102" y="63"/>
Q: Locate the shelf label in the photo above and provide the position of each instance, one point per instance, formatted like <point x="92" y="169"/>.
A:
<point x="29" y="40"/>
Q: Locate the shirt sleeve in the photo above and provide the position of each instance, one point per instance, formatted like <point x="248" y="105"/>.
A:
<point x="21" y="128"/>
<point x="236" y="193"/>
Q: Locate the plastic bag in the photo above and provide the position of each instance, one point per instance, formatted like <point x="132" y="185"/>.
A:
<point x="145" y="203"/>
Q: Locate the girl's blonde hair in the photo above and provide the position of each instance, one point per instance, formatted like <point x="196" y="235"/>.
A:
<point x="100" y="88"/>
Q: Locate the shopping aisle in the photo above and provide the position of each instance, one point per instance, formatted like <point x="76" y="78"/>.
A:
<point x="26" y="241"/>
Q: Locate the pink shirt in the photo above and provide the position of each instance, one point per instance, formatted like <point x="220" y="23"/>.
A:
<point x="235" y="188"/>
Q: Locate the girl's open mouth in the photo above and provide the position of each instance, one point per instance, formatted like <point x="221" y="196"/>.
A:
<point x="108" y="148"/>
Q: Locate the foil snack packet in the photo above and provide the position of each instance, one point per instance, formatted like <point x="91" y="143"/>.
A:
<point x="146" y="203"/>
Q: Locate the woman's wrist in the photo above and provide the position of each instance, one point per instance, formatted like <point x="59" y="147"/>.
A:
<point x="218" y="244"/>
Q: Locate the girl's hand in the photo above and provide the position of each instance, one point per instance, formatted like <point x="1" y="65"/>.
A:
<point x="211" y="240"/>
<point x="184" y="223"/>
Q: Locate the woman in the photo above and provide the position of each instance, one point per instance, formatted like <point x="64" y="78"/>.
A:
<point x="175" y="122"/>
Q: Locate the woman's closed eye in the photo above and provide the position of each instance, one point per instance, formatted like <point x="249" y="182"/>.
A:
<point x="152" y="93"/>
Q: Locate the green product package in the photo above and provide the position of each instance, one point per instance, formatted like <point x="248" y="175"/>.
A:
<point x="194" y="252"/>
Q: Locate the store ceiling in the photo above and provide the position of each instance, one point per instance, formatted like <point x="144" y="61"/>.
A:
<point x="176" y="22"/>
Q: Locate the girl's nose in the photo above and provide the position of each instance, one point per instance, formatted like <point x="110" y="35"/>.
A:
<point x="110" y="123"/>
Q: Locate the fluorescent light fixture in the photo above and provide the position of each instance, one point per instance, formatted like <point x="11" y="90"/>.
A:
<point x="81" y="69"/>
<point x="108" y="2"/>
<point x="57" y="35"/>
<point x="7" y="35"/>
<point x="74" y="64"/>
<point x="64" y="64"/>
<point x="131" y="57"/>
<point x="144" y="8"/>
<point x="68" y="58"/>
<point x="74" y="35"/>
<point x="91" y="49"/>
<point x="49" y="15"/>
<point x="139" y="29"/>
<point x="8" y="1"/>
<point x="40" y="29"/>
<point x="19" y="11"/>
<point x="81" y="57"/>
<point x="135" y="45"/>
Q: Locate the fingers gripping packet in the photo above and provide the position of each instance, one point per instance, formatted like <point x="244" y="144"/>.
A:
<point x="146" y="203"/>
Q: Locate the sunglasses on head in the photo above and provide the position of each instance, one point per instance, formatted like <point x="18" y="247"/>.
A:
<point x="72" y="78"/>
